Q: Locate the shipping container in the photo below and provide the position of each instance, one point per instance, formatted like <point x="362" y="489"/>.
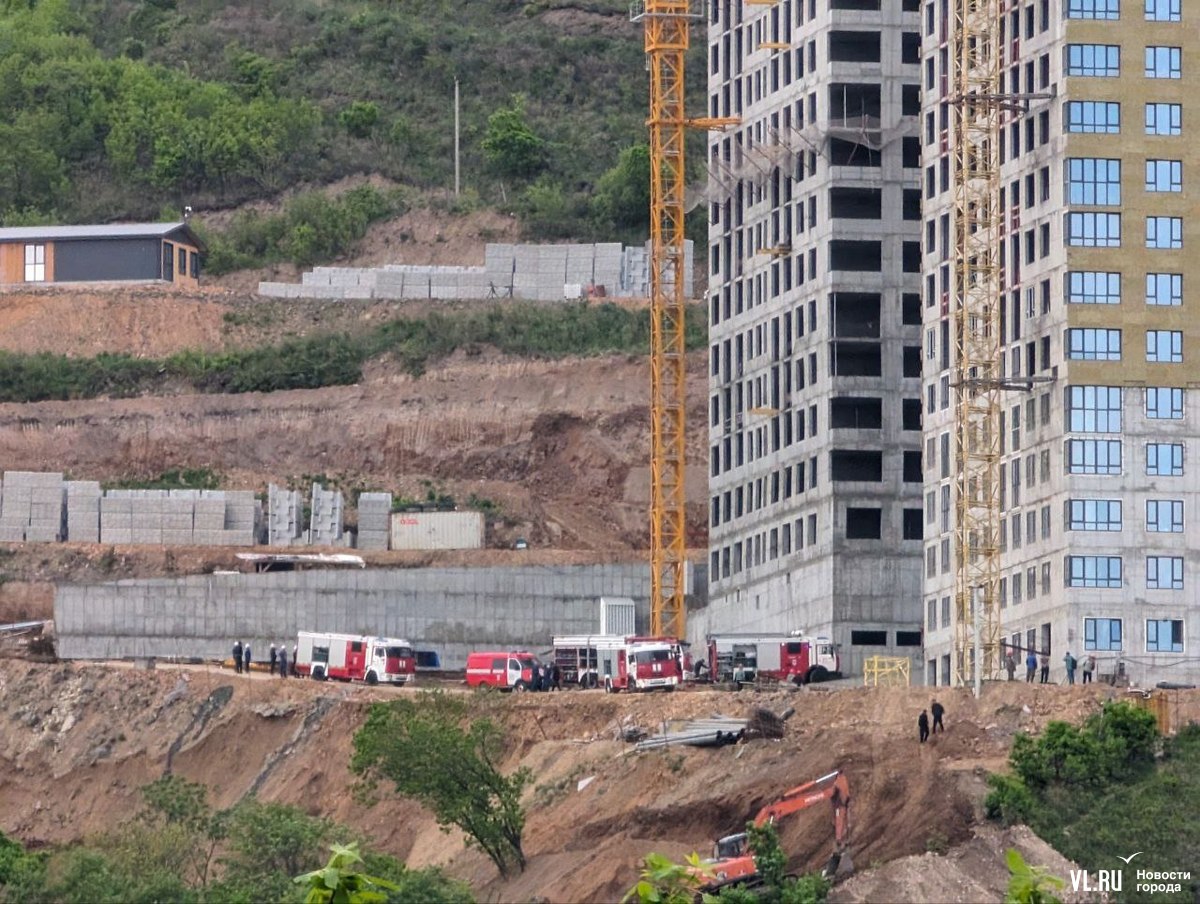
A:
<point x="437" y="530"/>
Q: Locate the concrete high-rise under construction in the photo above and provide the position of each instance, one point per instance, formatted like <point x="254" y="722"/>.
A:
<point x="814" y="202"/>
<point x="1098" y="252"/>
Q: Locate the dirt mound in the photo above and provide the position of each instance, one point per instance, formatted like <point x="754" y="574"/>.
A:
<point x="77" y="743"/>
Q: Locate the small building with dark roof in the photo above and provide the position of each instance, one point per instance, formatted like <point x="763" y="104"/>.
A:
<point x="126" y="252"/>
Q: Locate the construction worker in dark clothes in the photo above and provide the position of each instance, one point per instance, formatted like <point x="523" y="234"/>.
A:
<point x="294" y="672"/>
<point x="273" y="658"/>
<point x="923" y="726"/>
<point x="1030" y="667"/>
<point x="282" y="661"/>
<point x="938" y="711"/>
<point x="237" y="656"/>
<point x="246" y="658"/>
<point x="1044" y="661"/>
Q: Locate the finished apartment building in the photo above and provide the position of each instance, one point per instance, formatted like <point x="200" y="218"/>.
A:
<point x="1100" y="252"/>
<point x="815" y="517"/>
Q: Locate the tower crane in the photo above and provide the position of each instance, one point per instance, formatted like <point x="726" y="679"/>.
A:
<point x="666" y="33"/>
<point x="976" y="325"/>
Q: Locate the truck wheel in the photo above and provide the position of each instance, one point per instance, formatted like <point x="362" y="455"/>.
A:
<point x="592" y="681"/>
<point x="520" y="687"/>
<point x="817" y="675"/>
<point x="632" y="686"/>
<point x="372" y="679"/>
<point x="319" y="674"/>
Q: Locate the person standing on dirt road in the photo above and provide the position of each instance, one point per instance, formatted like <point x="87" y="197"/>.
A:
<point x="923" y="726"/>
<point x="246" y="658"/>
<point x="1089" y="666"/>
<point x="1045" y="660"/>
<point x="1030" y="667"/>
<point x="1070" y="662"/>
<point x="1010" y="665"/>
<point x="237" y="656"/>
<point x="294" y="672"/>
<point x="283" y="664"/>
<point x="938" y="711"/>
<point x="273" y="658"/>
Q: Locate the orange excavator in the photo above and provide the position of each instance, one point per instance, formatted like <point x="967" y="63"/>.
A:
<point x="733" y="862"/>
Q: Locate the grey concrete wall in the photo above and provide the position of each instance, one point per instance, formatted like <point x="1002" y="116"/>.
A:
<point x="452" y="610"/>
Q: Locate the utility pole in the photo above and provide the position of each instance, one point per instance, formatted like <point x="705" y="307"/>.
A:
<point x="457" y="157"/>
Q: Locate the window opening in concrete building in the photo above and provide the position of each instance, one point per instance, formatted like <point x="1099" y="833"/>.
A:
<point x="851" y="153"/>
<point x="914" y="528"/>
<point x="912" y="466"/>
<point x="856" y="465"/>
<point x="864" y="523"/>
<point x="850" y="412"/>
<point x="855" y="359"/>
<point x="854" y="46"/>
<point x="856" y="315"/>
<point x="856" y="203"/>
<point x="855" y="256"/>
<point x="868" y="638"/>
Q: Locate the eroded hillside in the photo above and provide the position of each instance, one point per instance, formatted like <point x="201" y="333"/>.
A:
<point x="77" y="743"/>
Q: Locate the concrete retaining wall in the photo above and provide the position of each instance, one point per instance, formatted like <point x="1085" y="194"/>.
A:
<point x="452" y="610"/>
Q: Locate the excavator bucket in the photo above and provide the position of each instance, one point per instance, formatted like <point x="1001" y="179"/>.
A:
<point x="839" y="865"/>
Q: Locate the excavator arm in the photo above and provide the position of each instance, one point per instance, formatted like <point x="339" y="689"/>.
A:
<point x="733" y="862"/>
<point x="833" y="787"/>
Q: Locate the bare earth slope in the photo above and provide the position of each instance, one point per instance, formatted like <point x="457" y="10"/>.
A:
<point x="77" y="742"/>
<point x="561" y="446"/>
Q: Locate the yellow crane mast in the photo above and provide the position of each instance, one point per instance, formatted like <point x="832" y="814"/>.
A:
<point x="666" y="31"/>
<point x="977" y="254"/>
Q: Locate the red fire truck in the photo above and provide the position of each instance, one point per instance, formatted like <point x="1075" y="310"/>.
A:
<point x="353" y="657"/>
<point x="617" y="662"/>
<point x="798" y="658"/>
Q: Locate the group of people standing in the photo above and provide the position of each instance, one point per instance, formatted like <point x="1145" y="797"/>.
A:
<point x="278" y="659"/>
<point x="1035" y="665"/>
<point x="938" y="711"/>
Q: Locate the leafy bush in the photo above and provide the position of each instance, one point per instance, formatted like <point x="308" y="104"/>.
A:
<point x="337" y="359"/>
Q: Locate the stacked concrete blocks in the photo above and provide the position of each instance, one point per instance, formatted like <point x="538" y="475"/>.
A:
<point x="285" y="516"/>
<point x="531" y="272"/>
<point x="208" y="518"/>
<point x="326" y="522"/>
<point x="33" y="507"/>
<point x="243" y="518"/>
<point x="374" y="520"/>
<point x="83" y="511"/>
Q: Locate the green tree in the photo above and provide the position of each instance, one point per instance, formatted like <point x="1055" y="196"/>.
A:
<point x="1029" y="884"/>
<point x="622" y="197"/>
<point x="546" y="211"/>
<point x="432" y="750"/>
<point x="510" y="145"/>
<point x="360" y="118"/>
<point x="343" y="882"/>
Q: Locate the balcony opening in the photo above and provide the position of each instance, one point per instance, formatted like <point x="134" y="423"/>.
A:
<point x="856" y="359"/>
<point x="854" y="413"/>
<point x="856" y="203"/>
<point x="856" y="465"/>
<point x="856" y="314"/>
<point x="854" y="46"/>
<point x="856" y="256"/>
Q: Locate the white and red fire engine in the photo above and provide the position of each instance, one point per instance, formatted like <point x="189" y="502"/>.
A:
<point x="797" y="658"/>
<point x="354" y="657"/>
<point x="617" y="662"/>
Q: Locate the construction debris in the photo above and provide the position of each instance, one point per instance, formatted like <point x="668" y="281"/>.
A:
<point x="716" y="731"/>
